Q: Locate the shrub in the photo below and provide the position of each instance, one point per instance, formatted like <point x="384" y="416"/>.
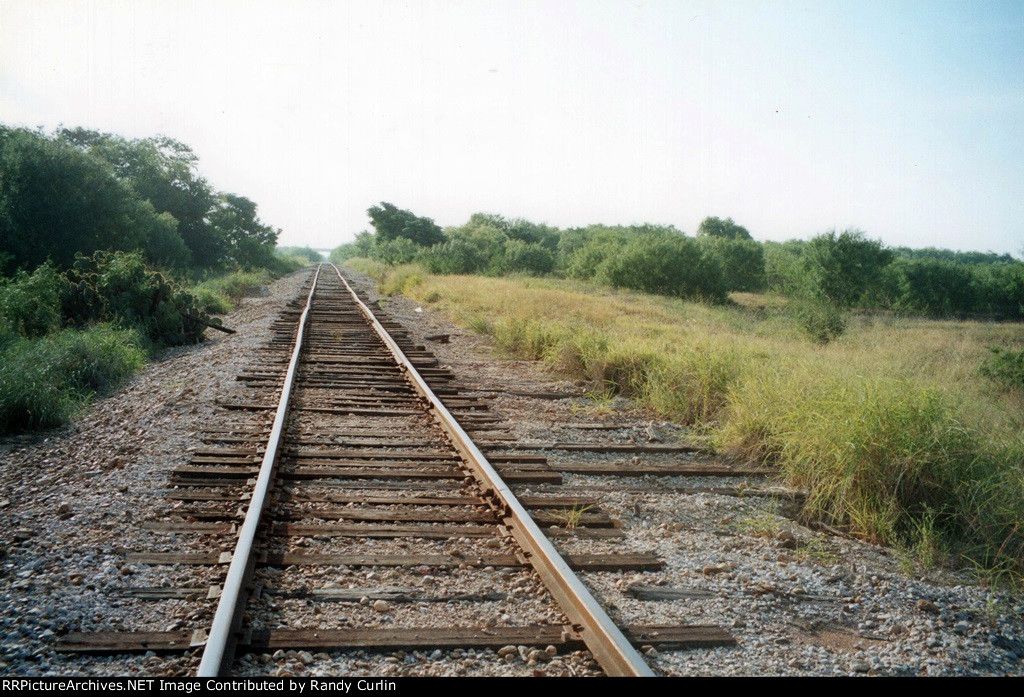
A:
<point x="934" y="288"/>
<point x="31" y="303"/>
<point x="820" y="320"/>
<point x="401" y="250"/>
<point x="44" y="382"/>
<point x="525" y="257"/>
<point x="842" y="267"/>
<point x="119" y="288"/>
<point x="742" y="262"/>
<point x="362" y="246"/>
<point x="307" y="253"/>
<point x="1004" y="366"/>
<point x="456" y="256"/>
<point x="674" y="266"/>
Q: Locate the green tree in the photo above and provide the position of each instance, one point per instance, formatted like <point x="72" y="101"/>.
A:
<point x="246" y="240"/>
<point x="164" y="172"/>
<point x="716" y="227"/>
<point x="842" y="267"/>
<point x="56" y="200"/>
<point x="391" y="222"/>
<point x="362" y="246"/>
<point x="742" y="261"/>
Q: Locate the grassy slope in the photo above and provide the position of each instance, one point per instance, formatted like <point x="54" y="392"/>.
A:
<point x="891" y="429"/>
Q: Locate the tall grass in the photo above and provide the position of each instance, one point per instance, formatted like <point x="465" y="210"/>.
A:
<point x="221" y="294"/>
<point x="890" y="428"/>
<point x="44" y="382"/>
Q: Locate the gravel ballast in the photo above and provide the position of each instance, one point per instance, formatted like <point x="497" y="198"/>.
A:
<point x="798" y="601"/>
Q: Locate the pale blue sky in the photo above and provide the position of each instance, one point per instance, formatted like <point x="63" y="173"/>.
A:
<point x="905" y="119"/>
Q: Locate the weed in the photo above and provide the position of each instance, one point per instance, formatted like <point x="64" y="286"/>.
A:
<point x="571" y="517"/>
<point x="813" y="550"/>
<point x="766" y="523"/>
<point x="45" y="382"/>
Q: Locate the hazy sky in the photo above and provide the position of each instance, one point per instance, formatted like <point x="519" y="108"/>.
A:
<point x="905" y="119"/>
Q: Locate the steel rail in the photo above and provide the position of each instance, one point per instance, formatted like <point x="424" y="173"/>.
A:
<point x="219" y="650"/>
<point x="606" y="642"/>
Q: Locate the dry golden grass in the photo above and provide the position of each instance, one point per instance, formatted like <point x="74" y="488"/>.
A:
<point x="890" y="428"/>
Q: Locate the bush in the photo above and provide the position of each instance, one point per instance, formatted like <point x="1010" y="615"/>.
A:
<point x="362" y="246"/>
<point x="119" y="288"/>
<point x="525" y="257"/>
<point x="674" y="266"/>
<point x="842" y="267"/>
<point x="821" y="321"/>
<point x="1006" y="367"/>
<point x="934" y="288"/>
<point x="456" y="256"/>
<point x="307" y="253"/>
<point x="397" y="251"/>
<point x="44" y="382"/>
<point x="31" y="303"/>
<point x="283" y="264"/>
<point x="742" y="262"/>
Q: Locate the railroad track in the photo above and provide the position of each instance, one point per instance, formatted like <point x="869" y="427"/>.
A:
<point x="353" y="454"/>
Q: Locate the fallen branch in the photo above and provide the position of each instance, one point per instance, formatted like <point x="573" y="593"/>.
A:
<point x="211" y="325"/>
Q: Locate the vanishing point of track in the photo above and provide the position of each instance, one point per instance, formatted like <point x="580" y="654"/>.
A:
<point x="342" y="379"/>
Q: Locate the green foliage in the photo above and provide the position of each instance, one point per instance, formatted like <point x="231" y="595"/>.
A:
<point x="951" y="256"/>
<point x="118" y="287"/>
<point x="664" y="265"/>
<point x="163" y="245"/>
<point x="164" y="172"/>
<point x="247" y="241"/>
<point x="1004" y="366"/>
<point x="392" y="223"/>
<point x="531" y="258"/>
<point x="30" y="304"/>
<point x="220" y="294"/>
<point x="726" y="229"/>
<point x="742" y="261"/>
<point x="44" y="382"/>
<point x="821" y="321"/>
<point x="56" y="200"/>
<point x="456" y="256"/>
<point x="842" y="267"/>
<point x="783" y="266"/>
<point x="400" y="250"/>
<point x="935" y="288"/>
<point x="362" y="246"/>
<point x="516" y="229"/>
<point x="82" y="191"/>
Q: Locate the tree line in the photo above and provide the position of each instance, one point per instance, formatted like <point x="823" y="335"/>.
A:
<point x="832" y="272"/>
<point x="102" y="241"/>
<point x="80" y="191"/>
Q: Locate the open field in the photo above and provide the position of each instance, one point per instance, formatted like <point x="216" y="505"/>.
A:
<point x="891" y="428"/>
